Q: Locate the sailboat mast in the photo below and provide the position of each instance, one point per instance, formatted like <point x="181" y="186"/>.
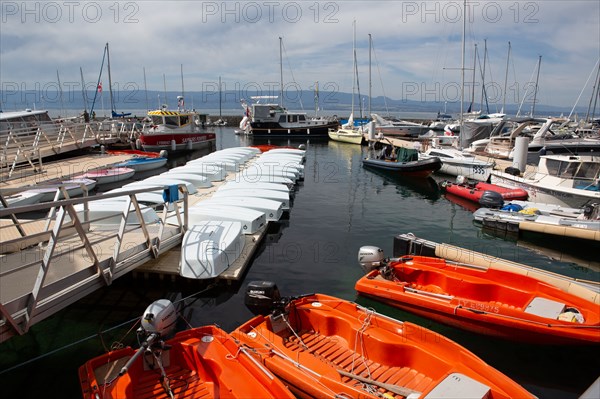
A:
<point x="220" y="98"/>
<point x="536" y="87"/>
<point x="370" y="85"/>
<point x="506" y="79"/>
<point x="112" y="103"/>
<point x="473" y="85"/>
<point x="62" y="105"/>
<point x="483" y="94"/>
<point x="462" y="67"/>
<point x="146" y="90"/>
<point x="281" y="70"/>
<point x="181" y="72"/>
<point x="84" y="95"/>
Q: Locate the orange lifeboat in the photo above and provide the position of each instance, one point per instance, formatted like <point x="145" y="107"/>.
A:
<point x="203" y="362"/>
<point x="489" y="301"/>
<point x="326" y="347"/>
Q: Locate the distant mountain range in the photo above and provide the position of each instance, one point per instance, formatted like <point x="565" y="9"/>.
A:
<point x="328" y="102"/>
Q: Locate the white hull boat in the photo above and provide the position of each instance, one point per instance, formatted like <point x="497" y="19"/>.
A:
<point x="74" y="188"/>
<point x="273" y="210"/>
<point x="197" y="180"/>
<point x="163" y="181"/>
<point x="270" y="169"/>
<point x="566" y="180"/>
<point x="251" y="220"/>
<point x="227" y="165"/>
<point x="108" y="175"/>
<point x="457" y="163"/>
<point x="209" y="248"/>
<point x="280" y="196"/>
<point x="233" y="185"/>
<point x="211" y="172"/>
<point x="22" y="198"/>
<point x="142" y="164"/>
<point x="109" y="212"/>
<point x="248" y="178"/>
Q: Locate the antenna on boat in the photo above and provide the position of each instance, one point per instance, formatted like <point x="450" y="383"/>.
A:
<point x="506" y="78"/>
<point x="536" y="86"/>
<point x="281" y="69"/>
<point x="182" y="90"/>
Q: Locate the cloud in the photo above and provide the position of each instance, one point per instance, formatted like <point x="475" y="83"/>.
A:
<point x="416" y="43"/>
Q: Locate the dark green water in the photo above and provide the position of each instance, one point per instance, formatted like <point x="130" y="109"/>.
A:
<point x="339" y="207"/>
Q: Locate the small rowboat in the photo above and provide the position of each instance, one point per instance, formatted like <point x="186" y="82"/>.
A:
<point x="108" y="175"/>
<point x="326" y="347"/>
<point x="141" y="164"/>
<point x="404" y="161"/>
<point x="202" y="362"/>
<point x="489" y="301"/>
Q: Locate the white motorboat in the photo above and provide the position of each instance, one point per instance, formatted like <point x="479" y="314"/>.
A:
<point x="197" y="180"/>
<point x="566" y="180"/>
<point x="272" y="209"/>
<point x="233" y="185"/>
<point x="251" y="219"/>
<point x="210" y="171"/>
<point x="209" y="248"/>
<point x="280" y="196"/>
<point x="458" y="163"/>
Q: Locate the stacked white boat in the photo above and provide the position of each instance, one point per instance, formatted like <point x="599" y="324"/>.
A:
<point x="257" y="193"/>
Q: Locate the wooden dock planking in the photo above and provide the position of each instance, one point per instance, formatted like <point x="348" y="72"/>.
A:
<point x="61" y="170"/>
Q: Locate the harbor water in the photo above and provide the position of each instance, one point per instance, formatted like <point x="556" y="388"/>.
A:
<point x="339" y="207"/>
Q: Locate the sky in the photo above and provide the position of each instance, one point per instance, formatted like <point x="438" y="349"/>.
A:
<point x="417" y="47"/>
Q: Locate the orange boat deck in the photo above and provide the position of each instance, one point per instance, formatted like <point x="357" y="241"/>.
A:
<point x="330" y="351"/>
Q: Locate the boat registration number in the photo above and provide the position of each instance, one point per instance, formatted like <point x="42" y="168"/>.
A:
<point x="483" y="306"/>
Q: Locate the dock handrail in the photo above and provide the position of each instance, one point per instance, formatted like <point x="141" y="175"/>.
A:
<point x="52" y="263"/>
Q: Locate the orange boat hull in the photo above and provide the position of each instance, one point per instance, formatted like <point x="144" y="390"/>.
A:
<point x="487" y="301"/>
<point x="202" y="363"/>
<point x="325" y="347"/>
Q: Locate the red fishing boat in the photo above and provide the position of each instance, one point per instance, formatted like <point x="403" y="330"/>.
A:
<point x="504" y="303"/>
<point x="203" y="362"/>
<point x="482" y="193"/>
<point x="326" y="347"/>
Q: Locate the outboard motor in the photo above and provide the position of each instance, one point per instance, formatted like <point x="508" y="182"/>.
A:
<point x="159" y="318"/>
<point x="262" y="297"/>
<point x="370" y="257"/>
<point x="491" y="199"/>
<point x="157" y="322"/>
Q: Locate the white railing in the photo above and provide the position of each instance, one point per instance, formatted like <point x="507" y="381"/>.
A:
<point x="52" y="262"/>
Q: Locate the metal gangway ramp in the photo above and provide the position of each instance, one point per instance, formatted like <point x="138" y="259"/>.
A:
<point x="49" y="263"/>
<point x="27" y="146"/>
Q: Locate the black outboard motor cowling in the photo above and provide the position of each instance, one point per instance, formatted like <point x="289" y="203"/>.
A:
<point x="491" y="199"/>
<point x="262" y="297"/>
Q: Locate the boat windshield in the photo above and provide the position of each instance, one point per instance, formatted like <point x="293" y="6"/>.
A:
<point x="573" y="169"/>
